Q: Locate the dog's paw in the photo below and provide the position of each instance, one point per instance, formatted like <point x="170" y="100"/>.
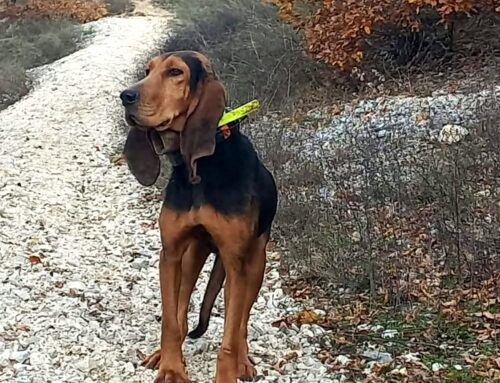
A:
<point x="170" y="376"/>
<point x="152" y="361"/>
<point x="246" y="370"/>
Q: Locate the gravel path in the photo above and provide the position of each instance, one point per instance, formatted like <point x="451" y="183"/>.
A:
<point x="79" y="245"/>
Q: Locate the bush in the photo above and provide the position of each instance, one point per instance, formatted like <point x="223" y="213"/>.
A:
<point x="13" y="83"/>
<point x="394" y="218"/>
<point x="337" y="31"/>
<point x="80" y="10"/>
<point x="254" y="54"/>
<point x="29" y="43"/>
<point x="117" y="7"/>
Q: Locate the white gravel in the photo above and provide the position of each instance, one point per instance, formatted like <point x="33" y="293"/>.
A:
<point x="83" y="312"/>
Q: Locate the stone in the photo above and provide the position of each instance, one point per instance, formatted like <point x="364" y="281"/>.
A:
<point x="19" y="356"/>
<point x="378" y="356"/>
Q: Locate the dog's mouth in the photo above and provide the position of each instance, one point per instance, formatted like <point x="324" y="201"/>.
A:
<point x="163" y="126"/>
<point x="163" y="139"/>
<point x="133" y="120"/>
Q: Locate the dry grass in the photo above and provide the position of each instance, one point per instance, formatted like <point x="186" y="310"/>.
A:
<point x="254" y="54"/>
<point x="37" y="32"/>
<point x="391" y="218"/>
<point x="29" y="43"/>
<point x="118" y="7"/>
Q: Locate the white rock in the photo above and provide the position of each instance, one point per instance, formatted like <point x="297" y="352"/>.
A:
<point x="19" y="356"/>
<point x="389" y="333"/>
<point x="378" y="356"/>
<point x="317" y="330"/>
<point x="342" y="360"/>
<point x="410" y="357"/>
<point x="84" y="365"/>
<point x="437" y="367"/>
<point x="307" y="333"/>
<point x="38" y="359"/>
<point x="19" y="366"/>
<point x="76" y="285"/>
<point x="129" y="368"/>
<point x="4" y="357"/>
<point x="451" y="134"/>
<point x="23" y="294"/>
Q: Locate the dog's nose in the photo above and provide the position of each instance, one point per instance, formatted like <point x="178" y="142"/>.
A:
<point x="129" y="97"/>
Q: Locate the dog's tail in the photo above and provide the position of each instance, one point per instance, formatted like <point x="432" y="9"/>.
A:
<point x="214" y="286"/>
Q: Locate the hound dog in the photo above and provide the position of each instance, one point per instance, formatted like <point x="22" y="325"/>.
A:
<point x="220" y="199"/>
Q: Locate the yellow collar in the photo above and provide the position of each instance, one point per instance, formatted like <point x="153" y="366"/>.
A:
<point x="239" y="112"/>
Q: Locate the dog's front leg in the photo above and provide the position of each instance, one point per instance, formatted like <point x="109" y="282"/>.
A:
<point x="171" y="368"/>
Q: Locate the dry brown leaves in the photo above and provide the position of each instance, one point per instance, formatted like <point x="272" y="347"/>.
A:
<point x="426" y="328"/>
<point x="335" y="33"/>
<point x="34" y="259"/>
<point x="81" y="10"/>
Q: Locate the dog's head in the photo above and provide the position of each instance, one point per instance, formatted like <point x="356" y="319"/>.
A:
<point x="179" y="96"/>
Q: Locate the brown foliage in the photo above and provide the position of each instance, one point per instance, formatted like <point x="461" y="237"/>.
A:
<point x="335" y="32"/>
<point x="80" y="10"/>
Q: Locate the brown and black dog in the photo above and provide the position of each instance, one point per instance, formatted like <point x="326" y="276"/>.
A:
<point x="220" y="199"/>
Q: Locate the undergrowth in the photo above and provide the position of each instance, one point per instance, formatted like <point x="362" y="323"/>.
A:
<point x="29" y="43"/>
<point x="255" y="54"/>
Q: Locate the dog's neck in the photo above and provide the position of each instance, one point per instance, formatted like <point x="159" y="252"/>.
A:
<point x="175" y="158"/>
<point x="223" y="133"/>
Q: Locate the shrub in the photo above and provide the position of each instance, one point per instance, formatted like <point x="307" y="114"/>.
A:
<point x="337" y="31"/>
<point x="13" y="83"/>
<point x="80" y="10"/>
<point x="394" y="218"/>
<point x="29" y="43"/>
<point x="116" y="7"/>
<point x="255" y="54"/>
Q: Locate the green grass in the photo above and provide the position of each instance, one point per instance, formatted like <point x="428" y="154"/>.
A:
<point x="463" y="376"/>
<point x="27" y="44"/>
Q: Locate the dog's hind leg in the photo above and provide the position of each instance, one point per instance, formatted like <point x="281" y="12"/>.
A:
<point x="214" y="286"/>
<point x="255" y="267"/>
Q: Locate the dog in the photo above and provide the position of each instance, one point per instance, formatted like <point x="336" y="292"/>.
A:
<point x="219" y="199"/>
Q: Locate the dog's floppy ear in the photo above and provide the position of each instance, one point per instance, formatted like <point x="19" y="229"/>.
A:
<point x="141" y="158"/>
<point x="198" y="135"/>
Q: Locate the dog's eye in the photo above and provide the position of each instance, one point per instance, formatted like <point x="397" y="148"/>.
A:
<point x="147" y="72"/>
<point x="174" y="72"/>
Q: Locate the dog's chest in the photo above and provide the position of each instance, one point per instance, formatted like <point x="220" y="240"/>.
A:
<point x="228" y="195"/>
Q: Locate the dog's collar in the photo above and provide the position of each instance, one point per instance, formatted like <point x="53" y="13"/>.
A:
<point x="229" y="123"/>
<point x="225" y="131"/>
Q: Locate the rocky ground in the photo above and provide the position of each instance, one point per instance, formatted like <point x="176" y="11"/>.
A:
<point x="79" y="291"/>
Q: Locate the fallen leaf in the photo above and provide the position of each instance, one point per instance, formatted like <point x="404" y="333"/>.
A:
<point x="450" y="303"/>
<point x="35" y="259"/>
<point x="140" y="355"/>
<point x="491" y="316"/>
<point x="23" y="327"/>
<point x="341" y="340"/>
<point x="291" y="355"/>
<point x="307" y="316"/>
<point x="119" y="160"/>
<point x="497" y="362"/>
